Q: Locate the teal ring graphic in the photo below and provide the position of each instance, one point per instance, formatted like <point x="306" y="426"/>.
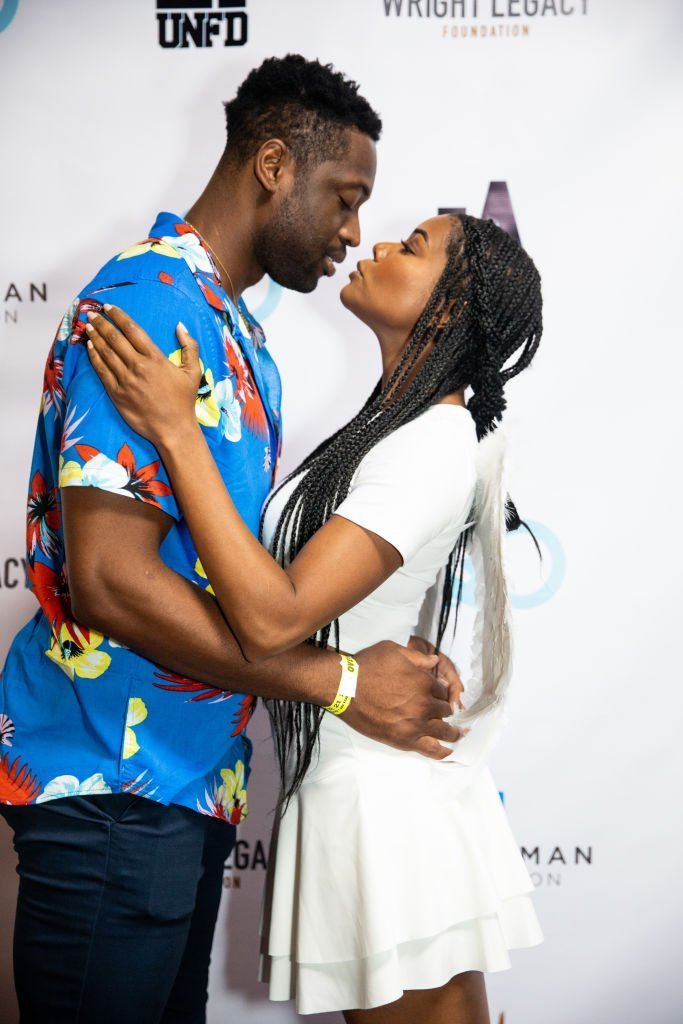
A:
<point x="554" y="552"/>
<point x="270" y="302"/>
<point x="7" y="12"/>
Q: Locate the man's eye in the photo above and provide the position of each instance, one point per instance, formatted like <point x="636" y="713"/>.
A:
<point x="344" y="205"/>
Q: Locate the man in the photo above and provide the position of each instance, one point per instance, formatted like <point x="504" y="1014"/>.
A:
<point x="127" y="697"/>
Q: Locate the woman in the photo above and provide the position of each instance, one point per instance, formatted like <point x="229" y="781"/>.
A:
<point x="396" y="882"/>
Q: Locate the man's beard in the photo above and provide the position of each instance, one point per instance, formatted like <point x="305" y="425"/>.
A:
<point x="288" y="249"/>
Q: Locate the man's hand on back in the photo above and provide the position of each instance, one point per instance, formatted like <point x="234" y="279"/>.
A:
<point x="445" y="670"/>
<point x="401" y="702"/>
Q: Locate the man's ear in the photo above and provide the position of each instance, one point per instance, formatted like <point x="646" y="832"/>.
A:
<point x="273" y="164"/>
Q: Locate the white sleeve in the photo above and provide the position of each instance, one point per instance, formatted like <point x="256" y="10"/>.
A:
<point x="416" y="482"/>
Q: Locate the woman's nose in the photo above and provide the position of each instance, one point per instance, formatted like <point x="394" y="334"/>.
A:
<point x="380" y="249"/>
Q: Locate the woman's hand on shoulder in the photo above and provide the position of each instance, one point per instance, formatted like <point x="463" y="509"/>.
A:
<point x="155" y="395"/>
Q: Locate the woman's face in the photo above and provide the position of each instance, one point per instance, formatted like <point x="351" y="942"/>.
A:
<point x="389" y="292"/>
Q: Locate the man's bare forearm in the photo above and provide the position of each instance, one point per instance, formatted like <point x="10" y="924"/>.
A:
<point x="174" y="623"/>
<point x="121" y="587"/>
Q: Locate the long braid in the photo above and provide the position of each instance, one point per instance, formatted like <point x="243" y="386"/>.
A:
<point x="485" y="307"/>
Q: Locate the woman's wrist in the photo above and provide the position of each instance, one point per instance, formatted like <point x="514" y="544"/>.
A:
<point x="177" y="439"/>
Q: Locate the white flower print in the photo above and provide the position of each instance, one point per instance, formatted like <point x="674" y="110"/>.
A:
<point x="192" y="251"/>
<point x="66" y="326"/>
<point x="68" y="785"/>
<point x="230" y="423"/>
<point x="6" y="730"/>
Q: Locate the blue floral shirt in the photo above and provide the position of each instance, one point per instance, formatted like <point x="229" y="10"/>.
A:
<point x="80" y="714"/>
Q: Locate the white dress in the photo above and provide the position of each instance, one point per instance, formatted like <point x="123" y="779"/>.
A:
<point x="390" y="871"/>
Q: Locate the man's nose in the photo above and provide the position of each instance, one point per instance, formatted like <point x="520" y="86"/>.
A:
<point x="350" y="233"/>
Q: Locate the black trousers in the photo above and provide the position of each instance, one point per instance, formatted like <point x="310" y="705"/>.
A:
<point x="118" y="898"/>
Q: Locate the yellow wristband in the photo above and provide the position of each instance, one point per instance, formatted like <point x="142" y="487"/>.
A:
<point x="347" y="685"/>
<point x="338" y="705"/>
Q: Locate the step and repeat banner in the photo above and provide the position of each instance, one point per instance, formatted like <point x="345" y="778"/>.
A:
<point x="558" y="119"/>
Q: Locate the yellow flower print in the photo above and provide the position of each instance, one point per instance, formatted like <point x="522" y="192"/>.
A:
<point x="76" y="652"/>
<point x="199" y="569"/>
<point x="153" y="245"/>
<point x="137" y="713"/>
<point x="206" y="406"/>
<point x="232" y="794"/>
<point x="229" y="800"/>
<point x="70" y="473"/>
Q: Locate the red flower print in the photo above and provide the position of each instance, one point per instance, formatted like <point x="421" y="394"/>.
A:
<point x="17" y="784"/>
<point x="78" y="326"/>
<point x="164" y="277"/>
<point x="229" y="800"/>
<point x="140" y="785"/>
<point x="53" y="389"/>
<point x="52" y="592"/>
<point x="182" y="684"/>
<point x="140" y="483"/>
<point x="215" y="809"/>
<point x="253" y="413"/>
<point x="246" y="710"/>
<point x="210" y="295"/>
<point x="43" y="517"/>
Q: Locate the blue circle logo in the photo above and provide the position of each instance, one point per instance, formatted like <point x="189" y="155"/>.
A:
<point x="8" y="9"/>
<point x="270" y="302"/>
<point x="554" y="562"/>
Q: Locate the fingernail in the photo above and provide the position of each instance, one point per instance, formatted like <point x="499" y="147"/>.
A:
<point x="182" y="326"/>
<point x="89" y="343"/>
<point x="89" y="328"/>
<point x="107" y="306"/>
<point x="92" y="316"/>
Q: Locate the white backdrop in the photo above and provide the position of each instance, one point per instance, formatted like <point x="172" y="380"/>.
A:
<point x="573" y="104"/>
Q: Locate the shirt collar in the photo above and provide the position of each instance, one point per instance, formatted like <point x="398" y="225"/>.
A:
<point x="178" y="233"/>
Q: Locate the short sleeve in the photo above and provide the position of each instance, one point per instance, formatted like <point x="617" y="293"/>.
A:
<point x="98" y="448"/>
<point x="417" y="482"/>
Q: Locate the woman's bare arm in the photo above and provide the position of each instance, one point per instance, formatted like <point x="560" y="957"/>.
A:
<point x="269" y="609"/>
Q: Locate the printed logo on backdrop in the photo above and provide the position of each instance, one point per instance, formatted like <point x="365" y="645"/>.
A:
<point x="485" y="19"/>
<point x="246" y="856"/>
<point x="8" y="8"/>
<point x="263" y="298"/>
<point x="13" y="573"/>
<point x="531" y="584"/>
<point x="547" y="865"/>
<point x="202" y="23"/>
<point x="18" y="296"/>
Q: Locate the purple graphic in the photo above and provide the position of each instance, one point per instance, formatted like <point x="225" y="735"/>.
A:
<point x="497" y="207"/>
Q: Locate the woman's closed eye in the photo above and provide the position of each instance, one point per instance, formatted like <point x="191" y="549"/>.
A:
<point x="406" y="248"/>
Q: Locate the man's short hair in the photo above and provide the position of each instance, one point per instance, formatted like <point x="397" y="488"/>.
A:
<point x="303" y="102"/>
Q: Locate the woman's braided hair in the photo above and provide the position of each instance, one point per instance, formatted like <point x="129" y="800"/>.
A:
<point x="485" y="307"/>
